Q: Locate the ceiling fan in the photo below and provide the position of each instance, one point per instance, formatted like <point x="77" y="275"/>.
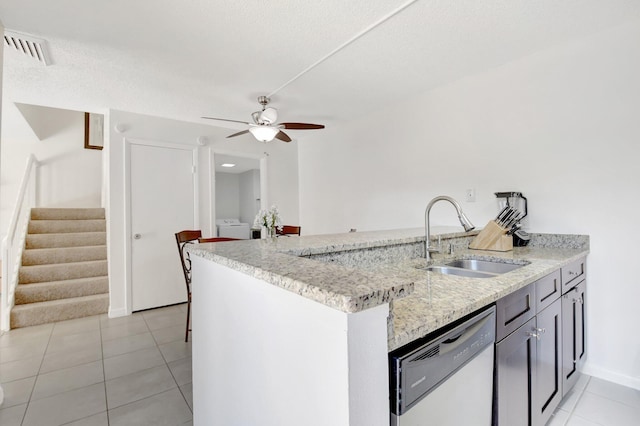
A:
<point x="264" y="127"/>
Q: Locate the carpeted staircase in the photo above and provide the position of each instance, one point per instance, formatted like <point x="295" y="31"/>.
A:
<point x="64" y="267"/>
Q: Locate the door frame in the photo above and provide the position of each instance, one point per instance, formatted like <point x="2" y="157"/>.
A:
<point x="264" y="192"/>
<point x="128" y="247"/>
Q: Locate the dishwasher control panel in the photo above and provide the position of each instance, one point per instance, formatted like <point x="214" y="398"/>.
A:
<point x="415" y="372"/>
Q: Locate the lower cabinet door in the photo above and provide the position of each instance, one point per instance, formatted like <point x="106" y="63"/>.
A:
<point x="516" y="377"/>
<point x="549" y="362"/>
<point x="574" y="338"/>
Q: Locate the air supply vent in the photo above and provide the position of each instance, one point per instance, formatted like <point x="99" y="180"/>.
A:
<point x="29" y="45"/>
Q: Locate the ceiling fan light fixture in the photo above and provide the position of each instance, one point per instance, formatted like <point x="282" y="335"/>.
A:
<point x="264" y="133"/>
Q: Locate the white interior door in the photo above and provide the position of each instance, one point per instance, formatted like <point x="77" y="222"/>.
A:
<point x="162" y="203"/>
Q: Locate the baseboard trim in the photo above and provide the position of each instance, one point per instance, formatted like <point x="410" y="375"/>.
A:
<point x="611" y="376"/>
<point x="115" y="313"/>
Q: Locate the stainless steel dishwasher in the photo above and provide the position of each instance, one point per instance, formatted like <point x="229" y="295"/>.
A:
<point x="448" y="380"/>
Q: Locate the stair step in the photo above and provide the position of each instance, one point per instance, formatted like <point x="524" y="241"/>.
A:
<point x="62" y="271"/>
<point x="63" y="255"/>
<point x="58" y="310"/>
<point x="66" y="226"/>
<point x="54" y="290"/>
<point x="71" y="239"/>
<point x="41" y="213"/>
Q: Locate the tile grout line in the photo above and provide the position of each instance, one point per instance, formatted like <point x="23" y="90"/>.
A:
<point x="572" y="412"/>
<point x="24" y="416"/>
<point x="169" y="368"/>
<point x="104" y="373"/>
<point x="57" y="330"/>
<point x="611" y="399"/>
<point x="149" y="396"/>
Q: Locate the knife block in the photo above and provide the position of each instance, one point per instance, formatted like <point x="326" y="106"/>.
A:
<point x="492" y="237"/>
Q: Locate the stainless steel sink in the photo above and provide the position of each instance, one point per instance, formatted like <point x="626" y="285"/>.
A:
<point x="447" y="270"/>
<point x="484" y="265"/>
<point x="475" y="268"/>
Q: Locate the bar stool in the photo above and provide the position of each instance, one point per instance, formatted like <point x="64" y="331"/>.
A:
<point x="182" y="239"/>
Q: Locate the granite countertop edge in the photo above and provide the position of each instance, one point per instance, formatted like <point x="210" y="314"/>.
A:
<point x="420" y="301"/>
<point x="284" y="262"/>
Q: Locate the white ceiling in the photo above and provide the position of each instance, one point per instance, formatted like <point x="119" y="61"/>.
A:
<point x="187" y="59"/>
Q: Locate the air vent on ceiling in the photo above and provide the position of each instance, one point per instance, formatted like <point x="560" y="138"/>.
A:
<point x="29" y="45"/>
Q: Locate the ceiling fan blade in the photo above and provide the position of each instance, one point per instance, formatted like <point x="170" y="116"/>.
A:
<point x="283" y="136"/>
<point x="224" y="119"/>
<point x="301" y="126"/>
<point x="238" y="134"/>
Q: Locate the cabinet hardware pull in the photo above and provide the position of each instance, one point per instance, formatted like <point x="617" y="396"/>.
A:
<point x="532" y="334"/>
<point x="541" y="330"/>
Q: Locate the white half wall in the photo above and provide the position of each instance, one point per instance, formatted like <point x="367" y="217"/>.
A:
<point x="561" y="126"/>
<point x="267" y="356"/>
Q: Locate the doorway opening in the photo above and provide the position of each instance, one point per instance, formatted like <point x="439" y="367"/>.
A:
<point x="238" y="195"/>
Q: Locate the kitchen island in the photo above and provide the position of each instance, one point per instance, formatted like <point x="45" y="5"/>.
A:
<point x="296" y="330"/>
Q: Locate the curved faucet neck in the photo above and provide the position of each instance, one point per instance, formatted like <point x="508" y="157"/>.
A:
<point x="466" y="224"/>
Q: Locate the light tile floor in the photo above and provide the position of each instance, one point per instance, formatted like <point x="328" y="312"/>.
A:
<point x="96" y="371"/>
<point x="136" y="370"/>
<point x="596" y="402"/>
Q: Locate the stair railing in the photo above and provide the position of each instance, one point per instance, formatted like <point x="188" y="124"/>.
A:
<point x="13" y="243"/>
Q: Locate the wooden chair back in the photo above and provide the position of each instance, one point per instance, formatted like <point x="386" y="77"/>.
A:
<point x="289" y="230"/>
<point x="216" y="239"/>
<point x="182" y="239"/>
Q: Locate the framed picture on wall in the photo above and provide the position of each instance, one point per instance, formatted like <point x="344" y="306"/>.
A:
<point x="93" y="130"/>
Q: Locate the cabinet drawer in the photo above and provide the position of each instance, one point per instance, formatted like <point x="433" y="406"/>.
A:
<point x="548" y="290"/>
<point x="514" y="310"/>
<point x="573" y="273"/>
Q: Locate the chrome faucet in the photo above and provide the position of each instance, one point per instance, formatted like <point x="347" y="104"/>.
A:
<point x="464" y="221"/>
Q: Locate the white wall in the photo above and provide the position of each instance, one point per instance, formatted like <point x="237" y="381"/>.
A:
<point x="2" y="221"/>
<point x="561" y="126"/>
<point x="280" y="161"/>
<point x="1" y="67"/>
<point x="238" y="195"/>
<point x="69" y="174"/>
<point x="249" y="195"/>
<point x="227" y="196"/>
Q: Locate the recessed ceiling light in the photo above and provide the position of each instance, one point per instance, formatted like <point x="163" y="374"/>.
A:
<point x="228" y="165"/>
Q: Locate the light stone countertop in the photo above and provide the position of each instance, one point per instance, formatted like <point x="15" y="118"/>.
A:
<point x="356" y="271"/>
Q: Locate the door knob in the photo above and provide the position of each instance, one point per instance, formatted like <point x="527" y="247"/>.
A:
<point x="137" y="236"/>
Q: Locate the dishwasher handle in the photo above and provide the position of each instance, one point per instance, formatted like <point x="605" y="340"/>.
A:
<point x="461" y="337"/>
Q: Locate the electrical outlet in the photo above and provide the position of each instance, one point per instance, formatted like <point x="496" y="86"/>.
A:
<point x="470" y="195"/>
